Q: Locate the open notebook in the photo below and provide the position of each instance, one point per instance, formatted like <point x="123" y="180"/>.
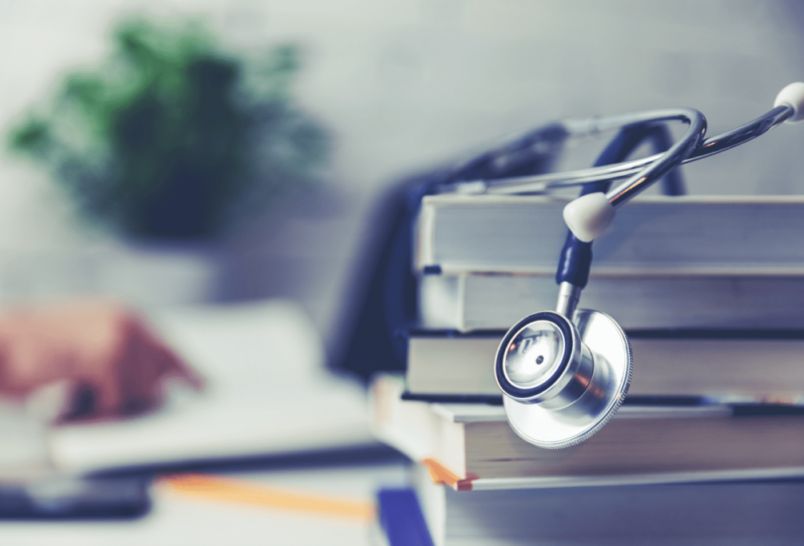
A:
<point x="268" y="392"/>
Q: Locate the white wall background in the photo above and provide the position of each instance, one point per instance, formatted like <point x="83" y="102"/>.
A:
<point x="403" y="85"/>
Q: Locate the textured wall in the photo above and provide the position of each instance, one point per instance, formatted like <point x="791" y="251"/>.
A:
<point x="404" y="85"/>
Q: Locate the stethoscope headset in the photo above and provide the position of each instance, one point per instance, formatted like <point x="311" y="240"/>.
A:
<point x="564" y="373"/>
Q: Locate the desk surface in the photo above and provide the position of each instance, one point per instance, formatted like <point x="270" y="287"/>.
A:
<point x="178" y="519"/>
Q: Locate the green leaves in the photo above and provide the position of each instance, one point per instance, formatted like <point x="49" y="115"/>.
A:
<point x="171" y="133"/>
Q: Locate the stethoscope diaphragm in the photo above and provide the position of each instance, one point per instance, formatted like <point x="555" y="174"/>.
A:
<point x="563" y="380"/>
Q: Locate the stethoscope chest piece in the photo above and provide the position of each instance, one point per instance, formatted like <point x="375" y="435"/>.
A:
<point x="563" y="380"/>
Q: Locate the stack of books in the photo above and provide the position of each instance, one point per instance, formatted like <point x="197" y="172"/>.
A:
<point x="707" y="449"/>
<point x="658" y="474"/>
<point x="485" y="262"/>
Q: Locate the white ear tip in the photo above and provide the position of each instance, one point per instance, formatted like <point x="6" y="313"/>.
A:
<point x="793" y="95"/>
<point x="589" y="216"/>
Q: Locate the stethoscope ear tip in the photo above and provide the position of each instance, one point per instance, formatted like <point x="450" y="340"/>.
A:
<point x="793" y="95"/>
<point x="588" y="216"/>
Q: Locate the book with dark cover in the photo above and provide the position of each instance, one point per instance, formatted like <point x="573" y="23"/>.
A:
<point x="401" y="518"/>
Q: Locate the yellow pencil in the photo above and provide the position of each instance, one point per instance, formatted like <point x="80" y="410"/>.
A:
<point x="232" y="490"/>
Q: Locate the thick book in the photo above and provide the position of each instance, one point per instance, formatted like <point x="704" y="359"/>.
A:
<point x="681" y="262"/>
<point x="496" y="301"/>
<point x="739" y="512"/>
<point x="472" y="447"/>
<point x="726" y="365"/>
<point x="650" y="236"/>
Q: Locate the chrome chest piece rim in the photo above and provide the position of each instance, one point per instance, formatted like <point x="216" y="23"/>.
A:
<point x="563" y="381"/>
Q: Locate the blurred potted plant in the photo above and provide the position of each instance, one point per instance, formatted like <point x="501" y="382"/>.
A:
<point x="171" y="137"/>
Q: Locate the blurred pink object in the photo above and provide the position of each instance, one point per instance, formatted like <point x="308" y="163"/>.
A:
<point x="108" y="361"/>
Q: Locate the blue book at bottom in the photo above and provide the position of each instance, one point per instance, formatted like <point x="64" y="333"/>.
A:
<point x="401" y="518"/>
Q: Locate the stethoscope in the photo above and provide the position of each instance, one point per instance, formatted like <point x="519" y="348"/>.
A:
<point x="564" y="373"/>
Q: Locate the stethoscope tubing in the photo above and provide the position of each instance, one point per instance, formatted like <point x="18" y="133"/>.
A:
<point x="679" y="154"/>
<point x="668" y="160"/>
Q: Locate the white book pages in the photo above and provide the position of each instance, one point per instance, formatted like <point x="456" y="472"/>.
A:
<point x="738" y="512"/>
<point x="472" y="447"/>
<point x="727" y="369"/>
<point x="692" y="235"/>
<point x="482" y="301"/>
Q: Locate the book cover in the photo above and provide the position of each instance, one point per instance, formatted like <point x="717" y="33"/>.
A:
<point x="401" y="518"/>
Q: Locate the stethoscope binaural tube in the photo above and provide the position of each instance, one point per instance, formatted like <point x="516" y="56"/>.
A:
<point x="544" y="182"/>
<point x="588" y="216"/>
<point x="789" y="106"/>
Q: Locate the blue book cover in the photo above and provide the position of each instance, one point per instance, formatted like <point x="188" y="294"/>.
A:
<point x="401" y="518"/>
